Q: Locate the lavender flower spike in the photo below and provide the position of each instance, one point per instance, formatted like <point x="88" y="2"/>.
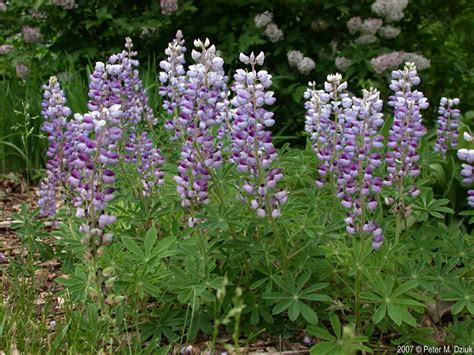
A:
<point x="467" y="171"/>
<point x="358" y="186"/>
<point x="173" y="80"/>
<point x="325" y="115"/>
<point x="199" y="124"/>
<point x="447" y="125"/>
<point x="55" y="113"/>
<point x="407" y="128"/>
<point x="252" y="148"/>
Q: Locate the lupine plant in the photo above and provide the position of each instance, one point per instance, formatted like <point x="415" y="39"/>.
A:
<point x="189" y="223"/>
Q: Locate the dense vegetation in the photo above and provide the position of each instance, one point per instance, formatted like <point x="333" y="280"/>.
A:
<point x="175" y="216"/>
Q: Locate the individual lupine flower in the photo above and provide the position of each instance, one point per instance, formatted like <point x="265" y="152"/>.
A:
<point x="173" y="82"/>
<point x="31" y="34"/>
<point x="294" y="57"/>
<point x="447" y="125"/>
<point x="263" y="19"/>
<point x="273" y="33"/>
<point x="5" y="49"/>
<point x="325" y="115"/>
<point x="342" y="63"/>
<point x="306" y="65"/>
<point x="3" y="6"/>
<point x="390" y="10"/>
<point x="141" y="151"/>
<point x="200" y="120"/>
<point x="91" y="158"/>
<point x="358" y="186"/>
<point x="168" y="7"/>
<point x="407" y="129"/>
<point x="354" y="25"/>
<point x="123" y="72"/>
<point x="55" y="113"/>
<point x="389" y="61"/>
<point x="252" y="148"/>
<point x="65" y="4"/>
<point x="22" y="70"/>
<point x="389" y="31"/>
<point x="370" y="26"/>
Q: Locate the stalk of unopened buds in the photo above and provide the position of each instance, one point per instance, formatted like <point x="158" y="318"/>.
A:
<point x="252" y="148"/>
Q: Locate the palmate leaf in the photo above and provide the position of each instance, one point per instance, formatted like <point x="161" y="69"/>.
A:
<point x="340" y="343"/>
<point x="293" y="294"/>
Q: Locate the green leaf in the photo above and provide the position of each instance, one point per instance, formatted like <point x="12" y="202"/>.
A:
<point x="336" y="325"/>
<point x="150" y="238"/>
<point x="294" y="310"/>
<point x="404" y="288"/>
<point x="280" y="307"/>
<point x="133" y="247"/>
<point x="458" y="307"/>
<point x="380" y="313"/>
<point x="308" y="313"/>
<point x="394" y="313"/>
<point x="323" y="348"/>
<point x="320" y="333"/>
<point x="315" y="297"/>
<point x="275" y="296"/>
<point x="407" y="317"/>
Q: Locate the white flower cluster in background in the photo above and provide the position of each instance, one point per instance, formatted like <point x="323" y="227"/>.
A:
<point x="366" y="28"/>
<point x="65" y="4"/>
<point x="391" y="61"/>
<point x="272" y="31"/>
<point x="304" y="64"/>
<point x="342" y="63"/>
<point x="263" y="19"/>
<point x="390" y="10"/>
<point x="389" y="31"/>
<point x="5" y="49"/>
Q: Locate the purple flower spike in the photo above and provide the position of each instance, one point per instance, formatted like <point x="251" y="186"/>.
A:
<point x="173" y="80"/>
<point x="467" y="171"/>
<point x="358" y="186"/>
<point x="407" y="128"/>
<point x="55" y="113"/>
<point x="447" y="125"/>
<point x="325" y="115"/>
<point x="252" y="148"/>
<point x="199" y="124"/>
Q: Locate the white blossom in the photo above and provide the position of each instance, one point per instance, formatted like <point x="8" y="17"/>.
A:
<point x="263" y="19"/>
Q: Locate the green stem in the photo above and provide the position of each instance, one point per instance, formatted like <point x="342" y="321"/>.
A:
<point x="398" y="228"/>
<point x="357" y="299"/>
